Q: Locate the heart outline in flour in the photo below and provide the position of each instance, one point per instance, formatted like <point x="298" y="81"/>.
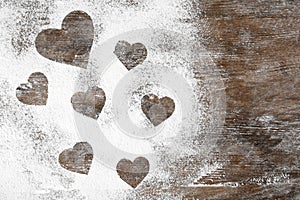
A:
<point x="74" y="39"/>
<point x="89" y="103"/>
<point x="77" y="159"/>
<point x="130" y="55"/>
<point x="133" y="173"/>
<point x="157" y="110"/>
<point x="35" y="92"/>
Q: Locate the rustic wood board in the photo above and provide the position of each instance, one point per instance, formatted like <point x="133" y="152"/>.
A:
<point x="256" y="47"/>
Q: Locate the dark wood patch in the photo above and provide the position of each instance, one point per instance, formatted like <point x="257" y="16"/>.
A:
<point x="89" y="103"/>
<point x="77" y="159"/>
<point x="35" y="92"/>
<point x="157" y="110"/>
<point x="256" y="45"/>
<point x="130" y="55"/>
<point x="72" y="43"/>
<point x="133" y="173"/>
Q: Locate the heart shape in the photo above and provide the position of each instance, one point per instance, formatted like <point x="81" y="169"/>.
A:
<point x="130" y="55"/>
<point x="157" y="110"/>
<point x="89" y="103"/>
<point x="72" y="43"/>
<point x="133" y="173"/>
<point x="35" y="92"/>
<point x="77" y="159"/>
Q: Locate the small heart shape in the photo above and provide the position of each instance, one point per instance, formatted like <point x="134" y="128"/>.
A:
<point x="89" y="103"/>
<point x="157" y="110"/>
<point x="133" y="173"/>
<point x="35" y="92"/>
<point x="130" y="55"/>
<point x="77" y="159"/>
<point x="74" y="39"/>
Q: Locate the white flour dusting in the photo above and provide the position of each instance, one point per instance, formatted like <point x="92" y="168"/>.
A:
<point x="35" y="135"/>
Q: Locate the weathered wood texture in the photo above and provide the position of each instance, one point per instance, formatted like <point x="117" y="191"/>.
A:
<point x="77" y="159"/>
<point x="89" y="103"/>
<point x="134" y="172"/>
<point x="71" y="44"/>
<point x="35" y="92"/>
<point x="256" y="44"/>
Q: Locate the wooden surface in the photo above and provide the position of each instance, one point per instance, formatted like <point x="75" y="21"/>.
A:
<point x="71" y="44"/>
<point x="256" y="44"/>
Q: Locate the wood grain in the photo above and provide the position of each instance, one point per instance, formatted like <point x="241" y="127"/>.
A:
<point x="72" y="43"/>
<point x="156" y="109"/>
<point x="131" y="55"/>
<point x="256" y="44"/>
<point x="35" y="92"/>
<point x="89" y="103"/>
<point x="134" y="172"/>
<point x="77" y="159"/>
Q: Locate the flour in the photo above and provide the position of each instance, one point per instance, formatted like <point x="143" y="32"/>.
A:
<point x="35" y="135"/>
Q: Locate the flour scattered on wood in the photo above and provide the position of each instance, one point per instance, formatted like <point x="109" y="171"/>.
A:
<point x="35" y="136"/>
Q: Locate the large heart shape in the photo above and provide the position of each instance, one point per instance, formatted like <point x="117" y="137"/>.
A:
<point x="133" y="173"/>
<point x="130" y="55"/>
<point x="77" y="159"/>
<point x="89" y="103"/>
<point x="35" y="92"/>
<point x="72" y="43"/>
<point x="157" y="110"/>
